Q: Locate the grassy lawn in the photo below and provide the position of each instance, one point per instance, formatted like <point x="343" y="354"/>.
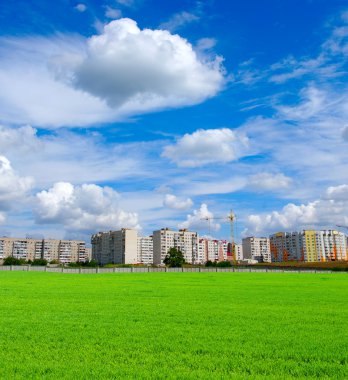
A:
<point x="173" y="325"/>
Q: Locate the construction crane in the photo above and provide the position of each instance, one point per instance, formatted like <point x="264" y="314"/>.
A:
<point x="231" y="217"/>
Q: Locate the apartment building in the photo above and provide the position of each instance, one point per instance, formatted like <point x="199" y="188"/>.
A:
<point x="238" y="248"/>
<point x="116" y="247"/>
<point x="309" y="246"/>
<point x="257" y="248"/>
<point x="64" y="251"/>
<point x="183" y="240"/>
<point x="145" y="250"/>
<point x="212" y="250"/>
<point x="286" y="246"/>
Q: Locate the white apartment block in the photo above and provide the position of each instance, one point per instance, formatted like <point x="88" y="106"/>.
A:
<point x="183" y="240"/>
<point x="64" y="251"/>
<point x="238" y="251"/>
<point x="257" y="248"/>
<point x="116" y="247"/>
<point x="332" y="245"/>
<point x="145" y="250"/>
<point x="309" y="246"/>
<point x="212" y="250"/>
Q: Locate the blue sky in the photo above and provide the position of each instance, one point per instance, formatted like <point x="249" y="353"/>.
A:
<point x="148" y="114"/>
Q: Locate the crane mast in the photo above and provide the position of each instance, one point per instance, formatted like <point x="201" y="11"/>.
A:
<point x="231" y="219"/>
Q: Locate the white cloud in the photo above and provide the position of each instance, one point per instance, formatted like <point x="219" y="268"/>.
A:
<point x="140" y="70"/>
<point x="23" y="139"/>
<point x="269" y="181"/>
<point x="126" y="3"/>
<point x="206" y="43"/>
<point x="172" y="201"/>
<point x="67" y="80"/>
<point x="199" y="220"/>
<point x="178" y="20"/>
<point x="13" y="188"/>
<point x="313" y="101"/>
<point x="81" y="7"/>
<point x="85" y="208"/>
<point x="206" y="147"/>
<point x="72" y="157"/>
<point x="345" y="133"/>
<point x="337" y="193"/>
<point x="326" y="212"/>
<point x="113" y="13"/>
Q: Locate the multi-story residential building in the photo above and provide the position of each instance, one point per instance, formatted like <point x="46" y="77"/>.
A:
<point x="65" y="251"/>
<point x="145" y="250"/>
<point x="117" y="247"/>
<point x="211" y="249"/>
<point x="183" y="240"/>
<point x="238" y="251"/>
<point x="286" y="246"/>
<point x="257" y="248"/>
<point x="309" y="246"/>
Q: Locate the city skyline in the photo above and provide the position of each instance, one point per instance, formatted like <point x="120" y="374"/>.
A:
<point x="129" y="114"/>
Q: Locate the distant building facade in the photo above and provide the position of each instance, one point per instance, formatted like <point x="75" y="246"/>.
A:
<point x="184" y="240"/>
<point x="145" y="250"/>
<point x="64" y="251"/>
<point x="211" y="250"/>
<point x="309" y="246"/>
<point x="257" y="248"/>
<point x="116" y="247"/>
<point x="239" y="251"/>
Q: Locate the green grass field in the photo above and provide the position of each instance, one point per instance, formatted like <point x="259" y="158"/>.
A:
<point x="173" y="325"/>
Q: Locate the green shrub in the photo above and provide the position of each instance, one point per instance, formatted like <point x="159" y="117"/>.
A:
<point x="39" y="262"/>
<point x="224" y="264"/>
<point x="14" y="261"/>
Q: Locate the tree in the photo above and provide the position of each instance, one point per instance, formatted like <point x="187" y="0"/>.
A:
<point x="10" y="260"/>
<point x="223" y="264"/>
<point x="174" y="258"/>
<point x="39" y="262"/>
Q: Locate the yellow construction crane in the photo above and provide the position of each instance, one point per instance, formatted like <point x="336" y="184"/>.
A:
<point x="231" y="217"/>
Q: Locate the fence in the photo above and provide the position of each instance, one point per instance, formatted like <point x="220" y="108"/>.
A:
<point x="167" y="270"/>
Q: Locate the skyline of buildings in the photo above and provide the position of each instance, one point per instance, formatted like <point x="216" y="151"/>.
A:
<point x="305" y="246"/>
<point x="64" y="251"/>
<point x="126" y="246"/>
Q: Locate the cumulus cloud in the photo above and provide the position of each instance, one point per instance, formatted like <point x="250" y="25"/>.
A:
<point x="206" y="147"/>
<point x="269" y="181"/>
<point x="172" y="201"/>
<point x="21" y="139"/>
<point x="85" y="208"/>
<point x="13" y="188"/>
<point x="326" y="212"/>
<point x="68" y="80"/>
<point x="200" y="220"/>
<point x="145" y="69"/>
